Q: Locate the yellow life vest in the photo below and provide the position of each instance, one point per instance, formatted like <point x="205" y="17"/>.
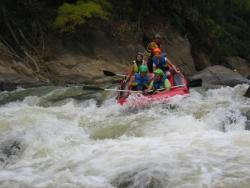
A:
<point x="150" y="48"/>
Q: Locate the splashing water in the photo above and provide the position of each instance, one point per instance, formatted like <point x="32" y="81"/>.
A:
<point x="197" y="141"/>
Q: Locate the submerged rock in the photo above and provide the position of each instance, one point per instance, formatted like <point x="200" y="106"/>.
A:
<point x="9" y="150"/>
<point x="247" y="94"/>
<point x="248" y="119"/>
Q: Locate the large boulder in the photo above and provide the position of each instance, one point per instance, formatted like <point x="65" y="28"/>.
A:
<point x="240" y="65"/>
<point x="201" y="61"/>
<point x="220" y="75"/>
<point x="71" y="68"/>
<point x="179" y="52"/>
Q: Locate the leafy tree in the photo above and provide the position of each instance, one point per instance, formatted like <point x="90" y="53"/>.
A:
<point x="72" y="15"/>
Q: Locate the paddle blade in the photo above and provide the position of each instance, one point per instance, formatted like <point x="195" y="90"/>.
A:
<point x="247" y="94"/>
<point x="195" y="83"/>
<point x="108" y="73"/>
<point x="85" y="87"/>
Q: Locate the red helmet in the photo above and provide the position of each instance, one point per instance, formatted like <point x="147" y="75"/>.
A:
<point x="156" y="51"/>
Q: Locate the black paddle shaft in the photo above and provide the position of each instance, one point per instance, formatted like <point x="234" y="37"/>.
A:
<point x="108" y="73"/>
<point x="85" y="87"/>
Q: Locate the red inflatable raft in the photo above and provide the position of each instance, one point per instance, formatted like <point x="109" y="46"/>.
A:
<point x="176" y="78"/>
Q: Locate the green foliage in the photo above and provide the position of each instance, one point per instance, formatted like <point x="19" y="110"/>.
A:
<point x="72" y="15"/>
<point x="220" y="27"/>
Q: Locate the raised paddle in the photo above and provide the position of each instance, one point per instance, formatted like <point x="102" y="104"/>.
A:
<point x="109" y="73"/>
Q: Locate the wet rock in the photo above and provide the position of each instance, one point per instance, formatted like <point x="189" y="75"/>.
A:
<point x="10" y="79"/>
<point x="248" y="120"/>
<point x="9" y="150"/>
<point x="220" y="75"/>
<point x="13" y="73"/>
<point x="247" y="94"/>
<point x="145" y="178"/>
<point x="80" y="69"/>
<point x="238" y="64"/>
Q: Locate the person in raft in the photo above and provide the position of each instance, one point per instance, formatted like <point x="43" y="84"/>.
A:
<point x="137" y="63"/>
<point x="140" y="81"/>
<point x="160" y="81"/>
<point x="160" y="60"/>
<point x="149" y="54"/>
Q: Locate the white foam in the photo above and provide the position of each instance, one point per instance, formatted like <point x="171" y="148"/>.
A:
<point x="198" y="141"/>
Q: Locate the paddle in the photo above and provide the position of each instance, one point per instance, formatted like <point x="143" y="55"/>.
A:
<point x="192" y="83"/>
<point x="86" y="87"/>
<point x="109" y="73"/>
<point x="195" y="83"/>
<point x="152" y="91"/>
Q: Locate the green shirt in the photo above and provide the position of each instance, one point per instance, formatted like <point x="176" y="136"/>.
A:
<point x="166" y="85"/>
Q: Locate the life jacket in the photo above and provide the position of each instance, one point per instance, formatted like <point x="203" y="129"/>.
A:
<point x="136" y="66"/>
<point x="161" y="63"/>
<point x="141" y="82"/>
<point x="160" y="84"/>
<point x="150" y="48"/>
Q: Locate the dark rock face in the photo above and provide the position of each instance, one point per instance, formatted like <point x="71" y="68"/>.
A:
<point x="179" y="53"/>
<point x="219" y="75"/>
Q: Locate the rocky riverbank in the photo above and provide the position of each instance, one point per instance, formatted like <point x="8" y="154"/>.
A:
<point x="82" y="60"/>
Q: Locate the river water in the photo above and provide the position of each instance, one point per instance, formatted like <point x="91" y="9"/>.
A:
<point x="53" y="140"/>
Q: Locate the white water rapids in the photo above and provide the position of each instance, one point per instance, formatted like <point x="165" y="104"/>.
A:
<point x="197" y="141"/>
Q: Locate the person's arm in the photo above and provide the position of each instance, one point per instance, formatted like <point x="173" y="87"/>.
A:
<point x="174" y="68"/>
<point x="131" y="82"/>
<point x="168" y="60"/>
<point x="154" y="64"/>
<point x="150" y="87"/>
<point x="167" y="84"/>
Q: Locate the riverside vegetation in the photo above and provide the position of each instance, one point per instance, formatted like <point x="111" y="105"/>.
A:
<point x="32" y="31"/>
